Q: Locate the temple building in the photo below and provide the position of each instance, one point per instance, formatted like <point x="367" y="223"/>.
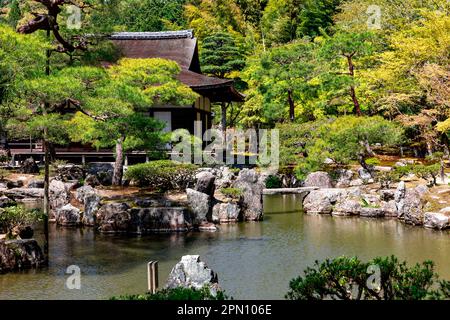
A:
<point x="179" y="46"/>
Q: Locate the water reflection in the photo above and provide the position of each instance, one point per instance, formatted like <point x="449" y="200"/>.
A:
<point x="253" y="260"/>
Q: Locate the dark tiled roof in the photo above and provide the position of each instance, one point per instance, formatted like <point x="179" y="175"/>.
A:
<point x="179" y="46"/>
<point x="182" y="34"/>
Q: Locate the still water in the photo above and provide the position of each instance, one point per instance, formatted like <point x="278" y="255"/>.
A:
<point x="253" y="260"/>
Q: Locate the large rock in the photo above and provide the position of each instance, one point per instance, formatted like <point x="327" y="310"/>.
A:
<point x="436" y="220"/>
<point x="347" y="207"/>
<point x="14" y="184"/>
<point x="91" y="180"/>
<point x="400" y="192"/>
<point x="224" y="177"/>
<point x="252" y="185"/>
<point x="372" y="212"/>
<point x="68" y="216"/>
<point x="226" y="213"/>
<point x="319" y="179"/>
<point x="91" y="206"/>
<point x="70" y="172"/>
<point x="29" y="166"/>
<point x="6" y="202"/>
<point x="24" y="193"/>
<point x="365" y="175"/>
<point x="322" y="201"/>
<point x="36" y="183"/>
<point x="389" y="208"/>
<point x="113" y="218"/>
<point x="159" y="219"/>
<point x="20" y="254"/>
<point x="199" y="205"/>
<point x="82" y="192"/>
<point x="103" y="171"/>
<point x="205" y="183"/>
<point x="344" y="178"/>
<point x="59" y="196"/>
<point x="191" y="272"/>
<point x="410" y="209"/>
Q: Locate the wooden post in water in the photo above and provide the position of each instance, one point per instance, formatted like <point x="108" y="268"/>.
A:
<point x="152" y="276"/>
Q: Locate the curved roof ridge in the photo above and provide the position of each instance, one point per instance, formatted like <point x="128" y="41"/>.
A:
<point x="180" y="34"/>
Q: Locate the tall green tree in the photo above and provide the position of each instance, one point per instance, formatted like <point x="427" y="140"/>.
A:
<point x="221" y="56"/>
<point x="283" y="77"/>
<point x="113" y="109"/>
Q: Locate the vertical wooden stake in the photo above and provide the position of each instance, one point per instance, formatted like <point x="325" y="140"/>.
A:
<point x="152" y="276"/>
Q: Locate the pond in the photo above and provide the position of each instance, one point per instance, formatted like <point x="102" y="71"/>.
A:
<point x="253" y="260"/>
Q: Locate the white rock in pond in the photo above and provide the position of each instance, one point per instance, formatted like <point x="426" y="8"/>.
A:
<point x="191" y="272"/>
<point x="225" y="213"/>
<point x="436" y="220"/>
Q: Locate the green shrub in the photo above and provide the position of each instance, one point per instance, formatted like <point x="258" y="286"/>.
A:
<point x="235" y="193"/>
<point x="373" y="161"/>
<point x="162" y="175"/>
<point x="427" y="172"/>
<point x="348" y="278"/>
<point x="3" y="174"/>
<point x="176" y="294"/>
<point x="15" y="217"/>
<point x="273" y="182"/>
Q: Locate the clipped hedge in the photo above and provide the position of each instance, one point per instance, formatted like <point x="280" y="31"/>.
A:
<point x="162" y="175"/>
<point x="176" y="294"/>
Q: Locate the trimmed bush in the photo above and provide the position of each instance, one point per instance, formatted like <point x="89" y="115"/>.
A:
<point x="15" y="218"/>
<point x="234" y="193"/>
<point x="176" y="294"/>
<point x="348" y="278"/>
<point x="162" y="175"/>
<point x="273" y="182"/>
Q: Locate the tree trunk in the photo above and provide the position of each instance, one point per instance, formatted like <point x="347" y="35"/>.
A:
<point x="442" y="171"/>
<point x="46" y="192"/>
<point x="291" y="106"/>
<point x="351" y="71"/>
<point x="118" y="165"/>
<point x="223" y="123"/>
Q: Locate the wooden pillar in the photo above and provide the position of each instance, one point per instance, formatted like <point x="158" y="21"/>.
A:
<point x="152" y="276"/>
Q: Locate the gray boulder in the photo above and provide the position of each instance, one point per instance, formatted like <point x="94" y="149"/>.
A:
<point x="436" y="220"/>
<point x="205" y="183"/>
<point x="20" y="254"/>
<point x="23" y="193"/>
<point x="6" y="202"/>
<point x="199" y="205"/>
<point x="191" y="272"/>
<point x="319" y="179"/>
<point x="91" y="206"/>
<point x="14" y="184"/>
<point x="252" y="185"/>
<point x="322" y="201"/>
<point x="389" y="208"/>
<point x="36" y="183"/>
<point x="29" y="166"/>
<point x="59" y="196"/>
<point x="68" y="216"/>
<point x="371" y="212"/>
<point x="410" y="209"/>
<point x="103" y="171"/>
<point x="400" y="191"/>
<point x="159" y="219"/>
<point x="113" y="218"/>
<point x="347" y="207"/>
<point x="344" y="178"/>
<point x="387" y="195"/>
<point x="365" y="175"/>
<point x="224" y="177"/>
<point x="82" y="192"/>
<point x="91" y="180"/>
<point x="226" y="213"/>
